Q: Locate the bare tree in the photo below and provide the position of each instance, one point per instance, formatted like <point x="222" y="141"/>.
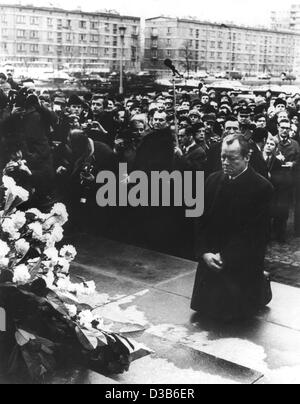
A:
<point x="188" y="57"/>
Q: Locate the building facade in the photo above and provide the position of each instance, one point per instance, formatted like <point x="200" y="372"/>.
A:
<point x="195" y="45"/>
<point x="44" y="37"/>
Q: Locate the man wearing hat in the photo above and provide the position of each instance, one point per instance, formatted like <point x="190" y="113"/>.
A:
<point x="195" y="117"/>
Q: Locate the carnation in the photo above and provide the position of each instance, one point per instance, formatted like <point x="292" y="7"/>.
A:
<point x="22" y="247"/>
<point x="60" y="212"/>
<point x="52" y="255"/>
<point x="37" y="231"/>
<point x="21" y="274"/>
<point x="86" y="318"/>
<point x="72" y="310"/>
<point x="4" y="263"/>
<point x="21" y="193"/>
<point x="57" y="233"/>
<point x="19" y="219"/>
<point x="89" y="288"/>
<point x="4" y="249"/>
<point x="35" y="212"/>
<point x="68" y="252"/>
<point x="8" y="183"/>
<point x="9" y="228"/>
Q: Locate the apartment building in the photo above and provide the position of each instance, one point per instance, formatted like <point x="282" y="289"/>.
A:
<point x="197" y="45"/>
<point x="55" y="38"/>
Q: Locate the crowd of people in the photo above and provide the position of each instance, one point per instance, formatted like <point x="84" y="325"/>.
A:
<point x="55" y="146"/>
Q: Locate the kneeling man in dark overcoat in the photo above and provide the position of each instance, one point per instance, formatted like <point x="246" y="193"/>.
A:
<point x="232" y="238"/>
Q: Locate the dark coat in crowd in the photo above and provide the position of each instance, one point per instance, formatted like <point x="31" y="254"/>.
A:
<point x="37" y="150"/>
<point x="196" y="158"/>
<point x="236" y="225"/>
<point x="162" y="228"/>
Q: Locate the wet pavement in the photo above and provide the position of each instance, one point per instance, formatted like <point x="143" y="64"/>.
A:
<point x="152" y="291"/>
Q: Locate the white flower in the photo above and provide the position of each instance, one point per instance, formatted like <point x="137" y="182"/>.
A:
<point x="37" y="231"/>
<point x="89" y="288"/>
<point x="9" y="228"/>
<point x="22" y="247"/>
<point x="49" y="223"/>
<point x="4" y="263"/>
<point x="86" y="318"/>
<point x="4" y="249"/>
<point x="9" y="183"/>
<point x="64" y="266"/>
<point x="21" y="193"/>
<point x="68" y="252"/>
<point x="57" y="233"/>
<point x="72" y="310"/>
<point x="60" y="212"/>
<point x="21" y="274"/>
<point x="19" y="219"/>
<point x="64" y="284"/>
<point x="39" y="215"/>
<point x="52" y="255"/>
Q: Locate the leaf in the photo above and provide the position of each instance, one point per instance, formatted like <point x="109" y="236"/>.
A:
<point x="57" y="304"/>
<point x="35" y="270"/>
<point x="23" y="337"/>
<point x="88" y="342"/>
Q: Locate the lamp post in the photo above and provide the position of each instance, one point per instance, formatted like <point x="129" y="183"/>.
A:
<point x="122" y="31"/>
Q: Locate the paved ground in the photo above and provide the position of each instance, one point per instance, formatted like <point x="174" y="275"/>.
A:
<point x="152" y="291"/>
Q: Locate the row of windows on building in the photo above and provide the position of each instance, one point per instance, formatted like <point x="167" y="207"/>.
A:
<point x="35" y="48"/>
<point x="229" y="34"/>
<point x="224" y="56"/>
<point x="68" y="24"/>
<point x="224" y="45"/>
<point x="68" y="37"/>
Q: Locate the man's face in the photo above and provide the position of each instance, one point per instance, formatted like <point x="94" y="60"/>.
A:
<point x="233" y="162"/>
<point x="205" y="99"/>
<point x="284" y="129"/>
<point x="199" y="137"/>
<point x="2" y="80"/>
<point x="194" y="119"/>
<point x="186" y="104"/>
<point x="139" y="129"/>
<point x="76" y="110"/>
<point x="290" y="103"/>
<point x="295" y="120"/>
<point x="161" y="107"/>
<point x="244" y="119"/>
<point x="110" y="105"/>
<point x="231" y="128"/>
<point x="160" y="121"/>
<point x="121" y="115"/>
<point x="135" y="111"/>
<point x="184" y="124"/>
<point x="10" y="72"/>
<point x="209" y="127"/>
<point x="270" y="146"/>
<point x="280" y="108"/>
<point x="282" y="116"/>
<point x="97" y="106"/>
<point x="261" y="123"/>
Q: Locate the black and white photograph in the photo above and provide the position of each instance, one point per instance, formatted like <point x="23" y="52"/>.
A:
<point x="149" y="195"/>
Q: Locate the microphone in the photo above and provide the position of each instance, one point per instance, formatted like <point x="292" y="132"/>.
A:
<point x="169" y="64"/>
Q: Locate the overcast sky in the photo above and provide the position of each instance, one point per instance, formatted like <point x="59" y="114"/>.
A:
<point x="239" y="11"/>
